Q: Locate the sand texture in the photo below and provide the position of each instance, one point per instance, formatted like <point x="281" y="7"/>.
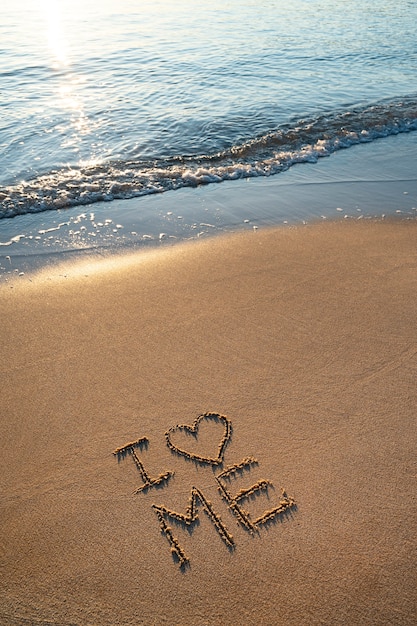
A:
<point x="216" y="433"/>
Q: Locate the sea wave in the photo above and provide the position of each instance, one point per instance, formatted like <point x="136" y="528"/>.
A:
<point x="303" y="140"/>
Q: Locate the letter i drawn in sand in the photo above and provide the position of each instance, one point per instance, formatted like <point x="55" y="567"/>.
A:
<point x="130" y="449"/>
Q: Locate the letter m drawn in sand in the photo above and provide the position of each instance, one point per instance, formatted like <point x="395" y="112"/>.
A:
<point x="189" y="519"/>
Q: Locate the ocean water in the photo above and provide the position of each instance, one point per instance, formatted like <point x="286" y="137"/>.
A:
<point x="104" y="100"/>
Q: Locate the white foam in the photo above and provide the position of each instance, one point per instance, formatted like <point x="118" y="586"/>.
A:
<point x="306" y="142"/>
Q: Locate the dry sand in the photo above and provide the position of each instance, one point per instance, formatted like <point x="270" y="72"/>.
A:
<point x="306" y="339"/>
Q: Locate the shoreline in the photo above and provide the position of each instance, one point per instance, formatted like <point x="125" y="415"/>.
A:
<point x="303" y="338"/>
<point x="365" y="181"/>
<point x="59" y="267"/>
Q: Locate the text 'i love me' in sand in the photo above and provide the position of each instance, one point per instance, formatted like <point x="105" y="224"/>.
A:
<point x="178" y="441"/>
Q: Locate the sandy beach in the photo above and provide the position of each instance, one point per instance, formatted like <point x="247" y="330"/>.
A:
<point x="292" y="502"/>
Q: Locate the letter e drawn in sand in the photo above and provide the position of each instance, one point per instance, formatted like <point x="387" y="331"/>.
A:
<point x="129" y="449"/>
<point x="214" y="418"/>
<point x="286" y="503"/>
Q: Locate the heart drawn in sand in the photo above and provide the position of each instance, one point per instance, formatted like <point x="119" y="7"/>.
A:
<point x="193" y="430"/>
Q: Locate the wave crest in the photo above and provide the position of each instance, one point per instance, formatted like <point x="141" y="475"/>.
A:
<point x="300" y="142"/>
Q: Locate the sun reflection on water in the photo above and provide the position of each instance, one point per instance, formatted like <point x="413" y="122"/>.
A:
<point x="69" y="85"/>
<point x="56" y="36"/>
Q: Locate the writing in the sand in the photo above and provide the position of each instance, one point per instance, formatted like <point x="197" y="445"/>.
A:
<point x="198" y="500"/>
